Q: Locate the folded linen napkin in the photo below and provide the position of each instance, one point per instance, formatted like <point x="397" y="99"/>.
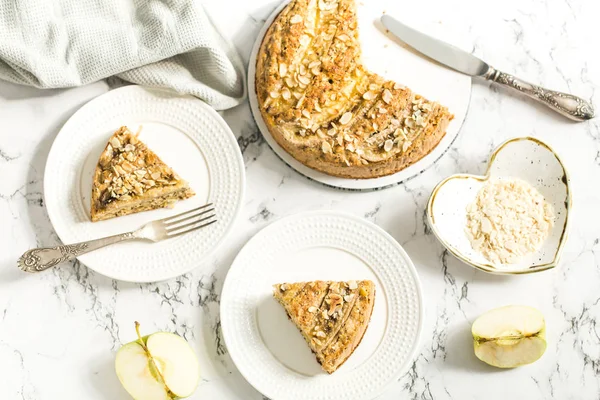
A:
<point x="161" y="43"/>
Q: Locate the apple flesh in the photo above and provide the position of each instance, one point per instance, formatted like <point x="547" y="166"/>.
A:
<point x="161" y="366"/>
<point x="510" y="336"/>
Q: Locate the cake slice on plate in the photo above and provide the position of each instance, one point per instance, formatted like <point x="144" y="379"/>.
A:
<point x="130" y="178"/>
<point x="332" y="316"/>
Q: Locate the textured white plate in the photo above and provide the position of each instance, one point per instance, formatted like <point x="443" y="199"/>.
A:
<point x="268" y="349"/>
<point x="386" y="56"/>
<point x="186" y="134"/>
<point x="525" y="158"/>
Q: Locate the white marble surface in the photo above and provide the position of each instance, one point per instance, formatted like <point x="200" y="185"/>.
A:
<point x="59" y="330"/>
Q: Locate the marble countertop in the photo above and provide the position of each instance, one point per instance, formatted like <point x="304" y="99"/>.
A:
<point x="59" y="330"/>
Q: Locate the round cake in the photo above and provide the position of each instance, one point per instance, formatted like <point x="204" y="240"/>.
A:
<point x="326" y="109"/>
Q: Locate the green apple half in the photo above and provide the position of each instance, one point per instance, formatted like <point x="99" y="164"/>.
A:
<point x="161" y="366"/>
<point x="510" y="336"/>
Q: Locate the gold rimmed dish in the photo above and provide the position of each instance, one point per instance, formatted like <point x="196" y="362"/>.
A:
<point x="524" y="158"/>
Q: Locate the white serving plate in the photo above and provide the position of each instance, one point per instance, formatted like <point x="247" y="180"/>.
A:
<point x="187" y="135"/>
<point x="525" y="158"/>
<point x="386" y="56"/>
<point x="323" y="245"/>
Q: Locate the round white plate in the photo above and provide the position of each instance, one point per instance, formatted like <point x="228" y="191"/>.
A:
<point x="390" y="58"/>
<point x="323" y="245"/>
<point x="187" y="135"/>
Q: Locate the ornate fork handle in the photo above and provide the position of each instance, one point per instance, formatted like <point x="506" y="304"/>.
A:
<point x="570" y="106"/>
<point x="37" y="260"/>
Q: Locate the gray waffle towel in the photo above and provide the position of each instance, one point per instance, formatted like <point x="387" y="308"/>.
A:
<point x="161" y="43"/>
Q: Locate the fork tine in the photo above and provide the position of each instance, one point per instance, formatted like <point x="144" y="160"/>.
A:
<point x="176" y="228"/>
<point x="172" y="217"/>
<point x="169" y="235"/>
<point x="172" y="224"/>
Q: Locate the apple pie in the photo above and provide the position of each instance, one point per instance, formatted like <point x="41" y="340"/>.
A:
<point x="326" y="109"/>
<point x="332" y="316"/>
<point x="130" y="178"/>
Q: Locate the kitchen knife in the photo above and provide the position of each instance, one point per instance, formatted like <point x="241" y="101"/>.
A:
<point x="570" y="106"/>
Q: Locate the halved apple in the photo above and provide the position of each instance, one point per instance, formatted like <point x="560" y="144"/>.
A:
<point x="161" y="366"/>
<point x="510" y="336"/>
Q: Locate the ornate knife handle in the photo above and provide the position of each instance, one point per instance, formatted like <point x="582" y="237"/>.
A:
<point x="570" y="106"/>
<point x="41" y="259"/>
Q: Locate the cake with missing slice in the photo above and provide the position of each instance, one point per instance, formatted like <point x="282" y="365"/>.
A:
<point x="332" y="316"/>
<point x="131" y="178"/>
<point x="327" y="109"/>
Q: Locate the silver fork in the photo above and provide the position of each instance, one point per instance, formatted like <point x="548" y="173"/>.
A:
<point x="40" y="259"/>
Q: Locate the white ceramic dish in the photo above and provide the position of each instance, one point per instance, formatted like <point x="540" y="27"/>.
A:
<point x="268" y="349"/>
<point x="382" y="54"/>
<point x="185" y="133"/>
<point x="525" y="158"/>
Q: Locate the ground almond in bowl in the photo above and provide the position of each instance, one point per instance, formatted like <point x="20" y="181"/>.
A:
<point x="507" y="220"/>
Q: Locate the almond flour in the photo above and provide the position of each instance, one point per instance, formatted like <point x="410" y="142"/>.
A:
<point x="507" y="220"/>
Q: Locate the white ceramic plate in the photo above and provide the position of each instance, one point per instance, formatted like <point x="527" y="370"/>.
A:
<point x="525" y="158"/>
<point x="387" y="57"/>
<point x="186" y="134"/>
<point x="268" y="349"/>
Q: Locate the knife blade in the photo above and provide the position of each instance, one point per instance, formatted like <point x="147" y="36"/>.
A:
<point x="442" y="52"/>
<point x="570" y="106"/>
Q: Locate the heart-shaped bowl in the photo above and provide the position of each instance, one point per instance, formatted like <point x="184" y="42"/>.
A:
<point x="524" y="158"/>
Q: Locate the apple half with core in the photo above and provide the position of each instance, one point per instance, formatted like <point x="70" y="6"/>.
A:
<point x="510" y="336"/>
<point x="161" y="366"/>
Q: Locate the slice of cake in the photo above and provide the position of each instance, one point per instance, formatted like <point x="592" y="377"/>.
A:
<point x="130" y="178"/>
<point x="332" y="316"/>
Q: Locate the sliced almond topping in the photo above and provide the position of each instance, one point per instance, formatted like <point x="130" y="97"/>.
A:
<point x="320" y="334"/>
<point x="326" y="147"/>
<point x="343" y="37"/>
<point x="405" y="146"/>
<point x="348" y="298"/>
<point x="352" y="285"/>
<point x="303" y="79"/>
<point x="283" y="69"/>
<point x="314" y="64"/>
<point x="295" y="19"/>
<point x="304" y="40"/>
<point x="286" y="94"/>
<point x="290" y="82"/>
<point x="388" y="145"/>
<point x="324" y="314"/>
<point x="115" y="143"/>
<point x="312" y="309"/>
<point x="373" y="86"/>
<point x="346" y="118"/>
<point x="306" y="113"/>
<point x="387" y="96"/>
<point x="368" y="95"/>
<point x="398" y="86"/>
<point x="274" y="94"/>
